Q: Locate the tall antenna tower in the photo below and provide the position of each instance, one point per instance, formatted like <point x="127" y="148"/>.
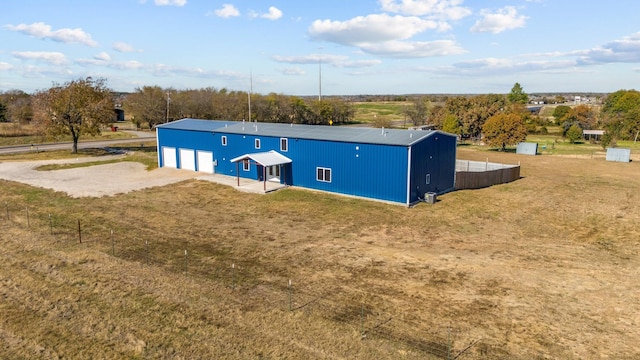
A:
<point x="250" y="91"/>
<point x="320" y="75"/>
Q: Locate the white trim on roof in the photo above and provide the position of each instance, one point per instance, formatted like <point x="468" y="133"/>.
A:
<point x="269" y="158"/>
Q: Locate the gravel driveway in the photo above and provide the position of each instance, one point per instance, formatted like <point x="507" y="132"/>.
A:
<point x="94" y="181"/>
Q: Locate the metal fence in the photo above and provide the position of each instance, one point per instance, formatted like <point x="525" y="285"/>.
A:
<point x="480" y="174"/>
<point x="369" y="316"/>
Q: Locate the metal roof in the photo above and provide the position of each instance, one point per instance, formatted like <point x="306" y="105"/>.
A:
<point x="268" y="158"/>
<point x="195" y="124"/>
<point x="314" y="132"/>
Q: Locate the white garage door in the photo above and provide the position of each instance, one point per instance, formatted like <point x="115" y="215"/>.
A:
<point x="169" y="157"/>
<point x="187" y="159"/>
<point x="205" y="162"/>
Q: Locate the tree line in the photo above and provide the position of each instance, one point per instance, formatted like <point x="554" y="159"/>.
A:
<point x="84" y="106"/>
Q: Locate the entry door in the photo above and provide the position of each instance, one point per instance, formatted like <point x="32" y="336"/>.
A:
<point x="273" y="173"/>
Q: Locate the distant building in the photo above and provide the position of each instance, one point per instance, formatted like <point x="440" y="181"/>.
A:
<point x="592" y="135"/>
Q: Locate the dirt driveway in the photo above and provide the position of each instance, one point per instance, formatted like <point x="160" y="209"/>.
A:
<point x="95" y="181"/>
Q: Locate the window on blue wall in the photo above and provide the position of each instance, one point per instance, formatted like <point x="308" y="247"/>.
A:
<point x="284" y="144"/>
<point x="428" y="180"/>
<point x="323" y="174"/>
<point x="245" y="164"/>
<point x="257" y="142"/>
<point x="224" y="140"/>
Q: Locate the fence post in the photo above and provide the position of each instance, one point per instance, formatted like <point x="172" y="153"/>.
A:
<point x="113" y="244"/>
<point x="362" y="320"/>
<point x="290" y="306"/>
<point x="28" y="220"/>
<point x="186" y="262"/>
<point x="448" y="343"/>
<point x="79" y="232"/>
<point x="50" y="225"/>
<point x="6" y="205"/>
<point x="233" y="276"/>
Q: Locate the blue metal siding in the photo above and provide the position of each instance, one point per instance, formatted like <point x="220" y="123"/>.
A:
<point x="367" y="170"/>
<point x="436" y="157"/>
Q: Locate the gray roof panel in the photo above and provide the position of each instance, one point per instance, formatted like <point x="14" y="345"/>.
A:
<point x="313" y="132"/>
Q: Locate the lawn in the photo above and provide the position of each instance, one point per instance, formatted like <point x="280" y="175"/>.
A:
<point x="543" y="267"/>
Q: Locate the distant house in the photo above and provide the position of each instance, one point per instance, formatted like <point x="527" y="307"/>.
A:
<point x="592" y="135"/>
<point x="399" y="166"/>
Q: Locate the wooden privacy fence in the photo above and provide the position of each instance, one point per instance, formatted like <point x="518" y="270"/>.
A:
<point x="479" y="174"/>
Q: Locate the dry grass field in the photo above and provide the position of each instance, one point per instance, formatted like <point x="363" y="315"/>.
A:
<point x="545" y="267"/>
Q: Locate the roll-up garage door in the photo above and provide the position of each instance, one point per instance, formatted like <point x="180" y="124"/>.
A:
<point x="169" y="157"/>
<point x="187" y="159"/>
<point x="205" y="162"/>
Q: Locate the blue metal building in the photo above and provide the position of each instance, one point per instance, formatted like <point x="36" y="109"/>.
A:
<point x="399" y="166"/>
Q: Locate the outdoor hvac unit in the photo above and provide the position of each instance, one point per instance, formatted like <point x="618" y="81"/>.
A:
<point x="430" y="197"/>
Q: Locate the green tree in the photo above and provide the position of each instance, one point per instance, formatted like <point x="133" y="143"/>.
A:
<point x="517" y="95"/>
<point x="3" y="111"/>
<point x="559" y="112"/>
<point x="147" y="105"/>
<point x="574" y="133"/>
<point x="78" y="107"/>
<point x="418" y="111"/>
<point x="451" y="125"/>
<point x="504" y="129"/>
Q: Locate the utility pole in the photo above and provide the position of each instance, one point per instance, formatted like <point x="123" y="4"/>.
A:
<point x="320" y="75"/>
<point x="250" y="91"/>
<point x="168" y="101"/>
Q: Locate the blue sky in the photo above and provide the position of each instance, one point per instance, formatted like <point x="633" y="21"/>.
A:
<point x="359" y="46"/>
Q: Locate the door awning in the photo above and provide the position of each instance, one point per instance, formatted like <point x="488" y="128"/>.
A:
<point x="269" y="158"/>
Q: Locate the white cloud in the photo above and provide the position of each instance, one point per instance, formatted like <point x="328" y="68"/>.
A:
<point x="123" y="47"/>
<point x="504" y="19"/>
<point x="5" y="66"/>
<point x="626" y="50"/>
<point x="369" y="29"/>
<point x="273" y="14"/>
<point x="55" y="58"/>
<point x="227" y="11"/>
<point x="311" y="59"/>
<point x="415" y="49"/>
<point x="103" y="56"/>
<point x="170" y="2"/>
<point x="293" y="71"/>
<point x="43" y="31"/>
<point x="434" y="9"/>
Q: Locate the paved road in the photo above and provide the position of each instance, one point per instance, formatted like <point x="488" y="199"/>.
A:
<point x="142" y="137"/>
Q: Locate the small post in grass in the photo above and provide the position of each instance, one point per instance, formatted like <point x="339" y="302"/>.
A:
<point x="113" y="244"/>
<point x="28" y="220"/>
<point x="50" y="225"/>
<point x="233" y="276"/>
<point x="362" y="320"/>
<point x="146" y="249"/>
<point x="290" y="303"/>
<point x="6" y="205"/>
<point x="79" y="232"/>
<point x="186" y="261"/>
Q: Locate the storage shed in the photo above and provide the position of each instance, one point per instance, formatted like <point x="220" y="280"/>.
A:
<point x="393" y="165"/>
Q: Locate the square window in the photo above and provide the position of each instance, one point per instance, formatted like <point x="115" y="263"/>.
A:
<point x="323" y="174"/>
